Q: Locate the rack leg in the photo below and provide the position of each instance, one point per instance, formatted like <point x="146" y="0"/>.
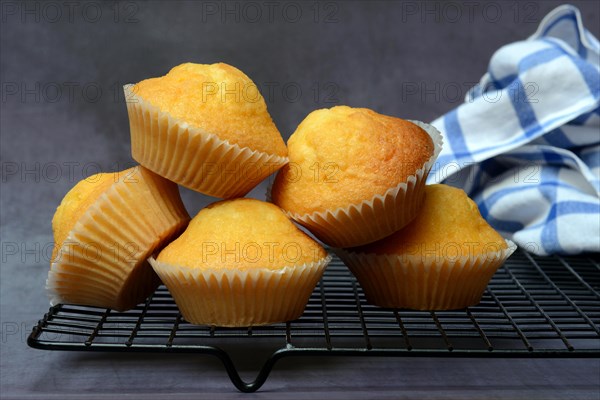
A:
<point x="234" y="376"/>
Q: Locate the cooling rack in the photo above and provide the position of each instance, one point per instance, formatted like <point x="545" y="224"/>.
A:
<point x="533" y="307"/>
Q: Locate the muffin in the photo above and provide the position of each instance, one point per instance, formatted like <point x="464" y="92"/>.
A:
<point x="355" y="176"/>
<point x="205" y="127"/>
<point x="241" y="262"/>
<point x="104" y="230"/>
<point x="442" y="260"/>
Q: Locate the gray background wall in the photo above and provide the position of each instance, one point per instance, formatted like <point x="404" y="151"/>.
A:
<point x="62" y="69"/>
<point x="63" y="116"/>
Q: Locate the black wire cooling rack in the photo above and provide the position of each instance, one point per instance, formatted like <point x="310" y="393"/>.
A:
<point x="533" y="307"/>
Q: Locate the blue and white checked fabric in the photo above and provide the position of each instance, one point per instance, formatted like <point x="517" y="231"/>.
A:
<point x="525" y="144"/>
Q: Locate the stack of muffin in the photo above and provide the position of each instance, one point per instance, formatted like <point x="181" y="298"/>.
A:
<point x="352" y="177"/>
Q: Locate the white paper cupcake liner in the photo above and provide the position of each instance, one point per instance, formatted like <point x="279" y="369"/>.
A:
<point x="425" y="282"/>
<point x="378" y="217"/>
<point x="102" y="262"/>
<point x="192" y="157"/>
<point x="240" y="298"/>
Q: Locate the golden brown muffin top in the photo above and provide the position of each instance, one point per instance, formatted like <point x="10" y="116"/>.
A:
<point x="241" y="234"/>
<point x="342" y="156"/>
<point x="77" y="201"/>
<point x="449" y="222"/>
<point x="218" y="99"/>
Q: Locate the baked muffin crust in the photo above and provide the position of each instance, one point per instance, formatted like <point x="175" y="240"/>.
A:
<point x="342" y="156"/>
<point x="218" y="99"/>
<point x="242" y="234"/>
<point x="449" y="224"/>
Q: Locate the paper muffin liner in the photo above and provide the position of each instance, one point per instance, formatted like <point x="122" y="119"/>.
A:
<point x="240" y="298"/>
<point x="378" y="217"/>
<point x="102" y="262"/>
<point x="427" y="282"/>
<point x="192" y="157"/>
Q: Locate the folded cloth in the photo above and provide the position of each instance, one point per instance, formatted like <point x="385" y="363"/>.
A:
<point x="525" y="144"/>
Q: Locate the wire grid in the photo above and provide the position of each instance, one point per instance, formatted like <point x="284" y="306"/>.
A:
<point x="533" y="307"/>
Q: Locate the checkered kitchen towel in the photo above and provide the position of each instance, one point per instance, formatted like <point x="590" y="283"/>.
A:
<point x="525" y="145"/>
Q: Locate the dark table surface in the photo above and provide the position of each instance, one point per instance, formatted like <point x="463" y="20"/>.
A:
<point x="63" y="118"/>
